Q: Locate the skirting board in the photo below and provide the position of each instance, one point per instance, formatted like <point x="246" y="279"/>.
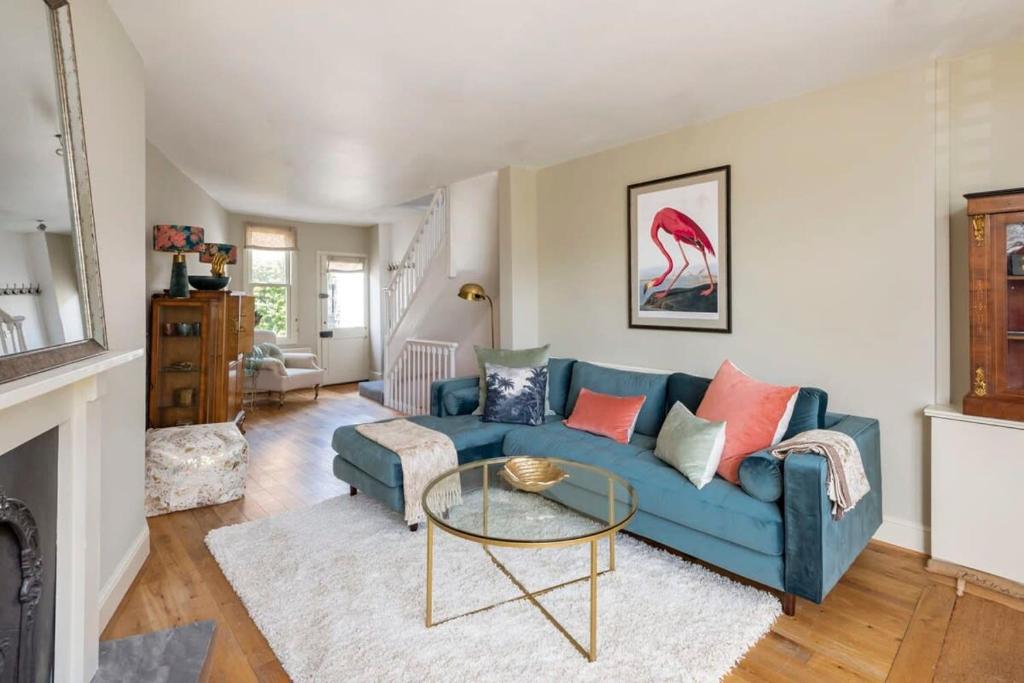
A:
<point x="988" y="581"/>
<point x="121" y="580"/>
<point x="906" y="534"/>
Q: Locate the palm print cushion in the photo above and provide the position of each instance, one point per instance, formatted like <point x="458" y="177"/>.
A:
<point x="515" y="395"/>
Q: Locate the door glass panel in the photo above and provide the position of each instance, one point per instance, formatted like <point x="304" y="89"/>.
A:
<point x="1015" y="306"/>
<point x="346" y="299"/>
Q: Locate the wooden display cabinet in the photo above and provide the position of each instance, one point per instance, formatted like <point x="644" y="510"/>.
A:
<point x="196" y="366"/>
<point x="996" y="234"/>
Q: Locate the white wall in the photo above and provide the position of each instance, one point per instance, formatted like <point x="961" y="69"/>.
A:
<point x="312" y="237"/>
<point x="833" y="243"/>
<point x="17" y="266"/>
<point x="436" y="312"/>
<point x="175" y="199"/>
<point x="113" y="101"/>
<point x="60" y="250"/>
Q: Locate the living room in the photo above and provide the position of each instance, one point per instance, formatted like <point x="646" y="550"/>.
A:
<point x="782" y="448"/>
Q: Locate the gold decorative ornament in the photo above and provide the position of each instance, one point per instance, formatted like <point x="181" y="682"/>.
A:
<point x="217" y="264"/>
<point x="532" y="474"/>
<point x="980" y="386"/>
<point x="978" y="226"/>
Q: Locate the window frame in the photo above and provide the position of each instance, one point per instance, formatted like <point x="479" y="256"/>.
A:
<point x="291" y="287"/>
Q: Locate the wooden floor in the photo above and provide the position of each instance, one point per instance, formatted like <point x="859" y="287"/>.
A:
<point x="888" y="619"/>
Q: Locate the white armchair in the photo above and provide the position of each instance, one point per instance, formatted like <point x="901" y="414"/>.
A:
<point x="295" y="369"/>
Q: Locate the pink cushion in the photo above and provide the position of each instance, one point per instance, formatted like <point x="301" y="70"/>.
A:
<point x="606" y="415"/>
<point x="756" y="415"/>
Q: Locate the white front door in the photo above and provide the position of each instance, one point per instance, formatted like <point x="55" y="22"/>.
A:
<point x="344" y="317"/>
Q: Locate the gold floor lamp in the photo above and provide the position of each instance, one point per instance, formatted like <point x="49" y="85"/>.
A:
<point x="474" y="292"/>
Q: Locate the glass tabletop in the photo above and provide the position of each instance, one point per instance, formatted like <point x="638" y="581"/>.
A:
<point x="485" y="501"/>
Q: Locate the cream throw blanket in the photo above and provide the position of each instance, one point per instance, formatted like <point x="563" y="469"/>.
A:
<point x="425" y="454"/>
<point x="847" y="482"/>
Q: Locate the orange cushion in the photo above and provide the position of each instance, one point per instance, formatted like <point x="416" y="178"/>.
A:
<point x="756" y="415"/>
<point x="606" y="415"/>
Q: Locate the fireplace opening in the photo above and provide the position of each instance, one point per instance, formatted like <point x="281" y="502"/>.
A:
<point x="28" y="551"/>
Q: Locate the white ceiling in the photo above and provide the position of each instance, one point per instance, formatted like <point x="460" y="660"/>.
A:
<point x="326" y="109"/>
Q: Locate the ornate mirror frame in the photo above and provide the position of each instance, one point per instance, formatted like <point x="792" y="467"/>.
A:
<point x="80" y="201"/>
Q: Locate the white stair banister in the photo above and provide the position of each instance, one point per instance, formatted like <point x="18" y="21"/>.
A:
<point x="420" y="363"/>
<point x="407" y="277"/>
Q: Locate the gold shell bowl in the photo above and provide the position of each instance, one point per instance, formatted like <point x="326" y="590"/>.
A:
<point x="532" y="474"/>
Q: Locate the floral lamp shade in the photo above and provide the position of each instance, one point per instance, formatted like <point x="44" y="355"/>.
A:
<point x="177" y="238"/>
<point x="211" y="249"/>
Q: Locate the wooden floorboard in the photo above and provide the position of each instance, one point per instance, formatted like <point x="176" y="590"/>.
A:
<point x="886" y="619"/>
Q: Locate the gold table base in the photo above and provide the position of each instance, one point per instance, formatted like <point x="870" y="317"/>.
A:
<point x="588" y="653"/>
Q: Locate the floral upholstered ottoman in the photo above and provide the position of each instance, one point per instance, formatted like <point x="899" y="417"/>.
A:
<point x="192" y="466"/>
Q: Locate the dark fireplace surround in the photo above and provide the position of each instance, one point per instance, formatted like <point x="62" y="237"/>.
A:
<point x="28" y="524"/>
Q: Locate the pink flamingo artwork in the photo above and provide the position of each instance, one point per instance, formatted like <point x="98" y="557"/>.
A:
<point x="684" y="230"/>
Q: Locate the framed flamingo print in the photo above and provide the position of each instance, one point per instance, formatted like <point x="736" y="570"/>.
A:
<point x="679" y="252"/>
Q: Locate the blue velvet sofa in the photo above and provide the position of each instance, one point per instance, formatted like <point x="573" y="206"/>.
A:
<point x="775" y="528"/>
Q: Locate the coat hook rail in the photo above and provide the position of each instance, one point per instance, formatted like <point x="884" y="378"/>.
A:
<point x="20" y="289"/>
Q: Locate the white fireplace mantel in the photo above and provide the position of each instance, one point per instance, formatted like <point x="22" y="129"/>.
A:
<point x="66" y="398"/>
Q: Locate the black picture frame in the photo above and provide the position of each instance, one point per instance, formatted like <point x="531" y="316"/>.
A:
<point x="641" y="317"/>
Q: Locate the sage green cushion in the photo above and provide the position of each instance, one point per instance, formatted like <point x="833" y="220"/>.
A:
<point x="510" y="358"/>
<point x="691" y="444"/>
<point x="271" y="350"/>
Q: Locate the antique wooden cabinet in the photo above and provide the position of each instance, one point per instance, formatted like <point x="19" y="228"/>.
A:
<point x="195" y="357"/>
<point x="996" y="263"/>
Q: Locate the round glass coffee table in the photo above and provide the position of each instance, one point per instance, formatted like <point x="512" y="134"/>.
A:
<point x="481" y="503"/>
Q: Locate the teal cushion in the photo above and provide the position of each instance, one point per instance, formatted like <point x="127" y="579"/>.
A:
<point x="691" y="444"/>
<point x="559" y="378"/>
<point x="623" y="383"/>
<point x="719" y="509"/>
<point x="686" y="389"/>
<point x="808" y="411"/>
<point x="461" y="401"/>
<point x="761" y="476"/>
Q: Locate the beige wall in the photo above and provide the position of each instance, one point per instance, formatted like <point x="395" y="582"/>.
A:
<point x="174" y="198"/>
<point x="986" y="152"/>
<point x="113" y="102"/>
<point x="517" y="253"/>
<point x="833" y="265"/>
<point x="313" y="237"/>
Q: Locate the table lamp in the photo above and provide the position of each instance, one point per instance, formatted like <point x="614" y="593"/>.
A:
<point x="179" y="240"/>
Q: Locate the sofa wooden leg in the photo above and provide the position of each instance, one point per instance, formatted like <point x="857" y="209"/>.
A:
<point x="352" y="490"/>
<point x="789" y="604"/>
<point x="280" y="399"/>
<point x="316" y="392"/>
<point x="414" y="527"/>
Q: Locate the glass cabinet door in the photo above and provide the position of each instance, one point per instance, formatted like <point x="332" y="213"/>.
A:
<point x="180" y="364"/>
<point x="1014" y="269"/>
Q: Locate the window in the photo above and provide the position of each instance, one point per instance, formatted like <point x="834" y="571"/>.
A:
<point x="269" y="275"/>
<point x="345" y="304"/>
<point x="270" y="280"/>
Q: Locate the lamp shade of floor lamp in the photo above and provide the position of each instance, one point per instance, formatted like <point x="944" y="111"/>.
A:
<point x="474" y="292"/>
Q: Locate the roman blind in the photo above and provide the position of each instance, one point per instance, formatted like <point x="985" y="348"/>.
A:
<point x="275" y="237"/>
<point x="345" y="264"/>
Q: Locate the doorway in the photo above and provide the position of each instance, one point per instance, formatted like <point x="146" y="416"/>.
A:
<point x="344" y="317"/>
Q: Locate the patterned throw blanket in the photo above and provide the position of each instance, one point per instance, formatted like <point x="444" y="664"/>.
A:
<point x="425" y="454"/>
<point x="847" y="482"/>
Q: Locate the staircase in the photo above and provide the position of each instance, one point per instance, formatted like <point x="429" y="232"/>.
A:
<point x="419" y="362"/>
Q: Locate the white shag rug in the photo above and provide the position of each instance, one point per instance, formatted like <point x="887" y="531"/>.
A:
<point x="338" y="591"/>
